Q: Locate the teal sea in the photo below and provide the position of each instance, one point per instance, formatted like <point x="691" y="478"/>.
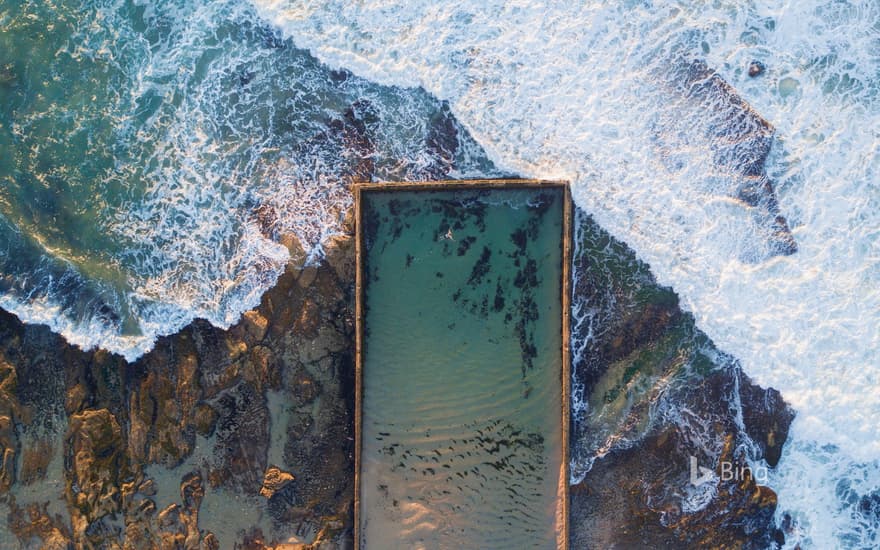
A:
<point x="153" y="153"/>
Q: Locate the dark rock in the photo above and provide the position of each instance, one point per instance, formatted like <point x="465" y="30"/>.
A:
<point x="441" y="144"/>
<point x="646" y="372"/>
<point x="242" y="440"/>
<point x="357" y="136"/>
<point x="756" y="68"/>
<point x="245" y="77"/>
<point x="766" y="418"/>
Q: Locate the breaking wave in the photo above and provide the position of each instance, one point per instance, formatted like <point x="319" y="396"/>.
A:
<point x="591" y="92"/>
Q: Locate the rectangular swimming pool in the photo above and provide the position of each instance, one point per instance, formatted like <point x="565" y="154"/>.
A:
<point x="462" y="365"/>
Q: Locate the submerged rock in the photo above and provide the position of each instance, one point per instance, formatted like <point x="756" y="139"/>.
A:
<point x="274" y="481"/>
<point x="441" y="145"/>
<point x="35" y="522"/>
<point x="740" y="140"/>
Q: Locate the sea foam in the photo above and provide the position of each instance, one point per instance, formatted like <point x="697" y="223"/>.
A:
<point x="581" y="91"/>
<point x="209" y="137"/>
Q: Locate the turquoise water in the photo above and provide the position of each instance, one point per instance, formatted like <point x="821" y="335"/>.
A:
<point x="462" y="368"/>
<point x="152" y="155"/>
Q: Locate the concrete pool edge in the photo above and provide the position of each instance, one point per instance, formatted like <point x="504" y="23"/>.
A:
<point x="358" y="189"/>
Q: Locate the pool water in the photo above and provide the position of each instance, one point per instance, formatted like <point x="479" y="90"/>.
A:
<point x="462" y="365"/>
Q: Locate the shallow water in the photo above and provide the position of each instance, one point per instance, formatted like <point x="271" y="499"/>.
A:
<point x="462" y="412"/>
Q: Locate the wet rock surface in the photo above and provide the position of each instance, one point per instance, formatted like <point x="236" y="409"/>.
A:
<point x="653" y="392"/>
<point x="756" y="68"/>
<point x="98" y="453"/>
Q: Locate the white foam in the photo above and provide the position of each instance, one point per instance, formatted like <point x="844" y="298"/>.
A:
<point x="575" y="90"/>
<point x="221" y="143"/>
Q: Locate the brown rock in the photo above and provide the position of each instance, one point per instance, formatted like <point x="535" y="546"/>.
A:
<point x="205" y="419"/>
<point x="169" y="521"/>
<point x="191" y="491"/>
<point x="261" y="368"/>
<point x="339" y="253"/>
<point x="308" y="320"/>
<point x="163" y="406"/>
<point x="96" y="467"/>
<point x="274" y="481"/>
<point x="9" y="406"/>
<point x="76" y="397"/>
<point x="255" y="324"/>
<point x="307" y="276"/>
<point x="297" y="253"/>
<point x="148" y="487"/>
<point x="210" y="542"/>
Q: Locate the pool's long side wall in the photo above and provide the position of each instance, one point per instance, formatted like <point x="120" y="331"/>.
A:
<point x="358" y="190"/>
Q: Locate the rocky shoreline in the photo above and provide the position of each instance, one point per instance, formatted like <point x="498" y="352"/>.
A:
<point x="655" y="393"/>
<point x="244" y="438"/>
<point x="252" y="426"/>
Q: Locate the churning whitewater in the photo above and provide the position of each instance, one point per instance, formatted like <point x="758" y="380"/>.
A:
<point x="200" y="136"/>
<point x="581" y="91"/>
<point x="205" y="136"/>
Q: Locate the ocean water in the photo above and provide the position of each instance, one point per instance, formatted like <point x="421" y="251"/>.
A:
<point x="156" y="151"/>
<point x="462" y="369"/>
<point x="582" y="91"/>
<point x="153" y="153"/>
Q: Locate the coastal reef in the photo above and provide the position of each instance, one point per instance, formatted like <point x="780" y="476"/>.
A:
<point x="216" y="439"/>
<point x="244" y="438"/>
